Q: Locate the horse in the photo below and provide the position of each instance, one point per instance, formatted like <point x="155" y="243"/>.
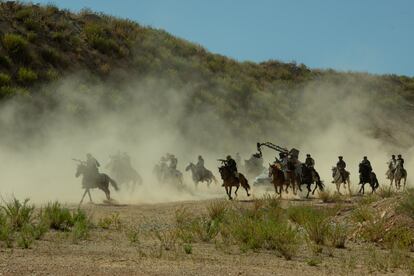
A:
<point x="230" y="180"/>
<point x="367" y="176"/>
<point x="292" y="176"/>
<point x="169" y="175"/>
<point x="197" y="176"/>
<point x="92" y="180"/>
<point x="127" y="176"/>
<point x="308" y="177"/>
<point x="278" y="178"/>
<point x="338" y="180"/>
<point x="400" y="173"/>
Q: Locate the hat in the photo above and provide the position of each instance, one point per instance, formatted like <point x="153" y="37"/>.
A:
<point x="340" y="157"/>
<point x="228" y="157"/>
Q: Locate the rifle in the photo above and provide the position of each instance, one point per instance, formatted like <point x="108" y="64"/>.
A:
<point x="79" y="161"/>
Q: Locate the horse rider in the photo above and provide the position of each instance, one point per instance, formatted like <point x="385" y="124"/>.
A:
<point x="341" y="165"/>
<point x="232" y="165"/>
<point x="392" y="164"/>
<point x="400" y="162"/>
<point x="365" y="162"/>
<point x="200" y="167"/>
<point x="309" y="162"/>
<point x="92" y="164"/>
<point x="173" y="162"/>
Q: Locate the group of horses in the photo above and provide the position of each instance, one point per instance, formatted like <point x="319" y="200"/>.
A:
<point x="293" y="177"/>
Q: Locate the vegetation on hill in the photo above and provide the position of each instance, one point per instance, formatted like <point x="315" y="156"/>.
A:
<point x="41" y="44"/>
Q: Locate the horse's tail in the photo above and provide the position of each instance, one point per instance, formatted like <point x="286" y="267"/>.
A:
<point x="113" y="183"/>
<point x="244" y="182"/>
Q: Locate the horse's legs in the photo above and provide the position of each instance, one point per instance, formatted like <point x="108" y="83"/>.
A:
<point x="316" y="186"/>
<point x="84" y="194"/>
<point x="405" y="182"/>
<point x="230" y="193"/>
<point x="90" y="197"/>
<point x="237" y="188"/>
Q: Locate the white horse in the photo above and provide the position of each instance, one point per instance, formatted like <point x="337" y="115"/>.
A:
<point x="400" y="173"/>
<point x="338" y="180"/>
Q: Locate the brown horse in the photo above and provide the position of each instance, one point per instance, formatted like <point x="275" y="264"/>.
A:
<point x="230" y="180"/>
<point x="91" y="180"/>
<point x="278" y="178"/>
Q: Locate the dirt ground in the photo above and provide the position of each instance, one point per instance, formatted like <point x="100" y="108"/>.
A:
<point x="110" y="251"/>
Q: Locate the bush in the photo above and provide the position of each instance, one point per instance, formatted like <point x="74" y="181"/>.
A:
<point x="57" y="217"/>
<point x="337" y="235"/>
<point x="264" y="232"/>
<point x="16" y="46"/>
<point x="328" y="197"/>
<point x="51" y="56"/>
<point x="104" y="45"/>
<point x="81" y="226"/>
<point x="18" y="214"/>
<point x="217" y="210"/>
<point x="4" y="79"/>
<point x="407" y="204"/>
<point x="26" y="76"/>
<point x="385" y="192"/>
<point x="188" y="248"/>
<point x="5" y="61"/>
<point x="315" y="222"/>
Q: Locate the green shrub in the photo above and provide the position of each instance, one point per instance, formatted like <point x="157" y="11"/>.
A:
<point x="407" y="204"/>
<point x="26" y="76"/>
<point x="188" y="248"/>
<point x="24" y="13"/>
<point x="16" y="46"/>
<point x="8" y="91"/>
<point x="5" y="61"/>
<point x="217" y="210"/>
<point x="81" y="226"/>
<point x="167" y="238"/>
<point x="329" y="197"/>
<point x="25" y="237"/>
<point x="385" y="192"/>
<point x="57" y="217"/>
<point x="255" y="232"/>
<point x="6" y="234"/>
<point x="315" y="222"/>
<point x="32" y="24"/>
<point x="104" y="45"/>
<point x="51" y="56"/>
<point x="4" y="79"/>
<point x="18" y="214"/>
<point x="133" y="235"/>
<point x="399" y="236"/>
<point x="337" y="235"/>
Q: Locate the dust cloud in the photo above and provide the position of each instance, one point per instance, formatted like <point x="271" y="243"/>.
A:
<point x="152" y="119"/>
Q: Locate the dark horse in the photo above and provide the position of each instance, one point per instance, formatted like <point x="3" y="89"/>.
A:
<point x="91" y="180"/>
<point x="230" y="180"/>
<point x="278" y="178"/>
<point x="367" y="176"/>
<point x="309" y="176"/>
<point x="205" y="176"/>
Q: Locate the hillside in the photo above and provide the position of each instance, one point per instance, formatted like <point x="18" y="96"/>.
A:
<point x="42" y="44"/>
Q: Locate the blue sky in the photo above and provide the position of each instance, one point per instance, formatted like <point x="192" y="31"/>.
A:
<point x="375" y="36"/>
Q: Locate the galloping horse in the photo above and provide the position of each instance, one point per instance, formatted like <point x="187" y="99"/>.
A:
<point x="367" y="176"/>
<point x="278" y="178"/>
<point x="400" y="173"/>
<point x="91" y="180"/>
<point x="308" y="177"/>
<point x="292" y="177"/>
<point x="129" y="176"/>
<point x="230" y="180"/>
<point x="338" y="179"/>
<point x="206" y="176"/>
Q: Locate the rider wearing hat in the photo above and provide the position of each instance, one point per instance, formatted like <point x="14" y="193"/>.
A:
<point x="341" y="165"/>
